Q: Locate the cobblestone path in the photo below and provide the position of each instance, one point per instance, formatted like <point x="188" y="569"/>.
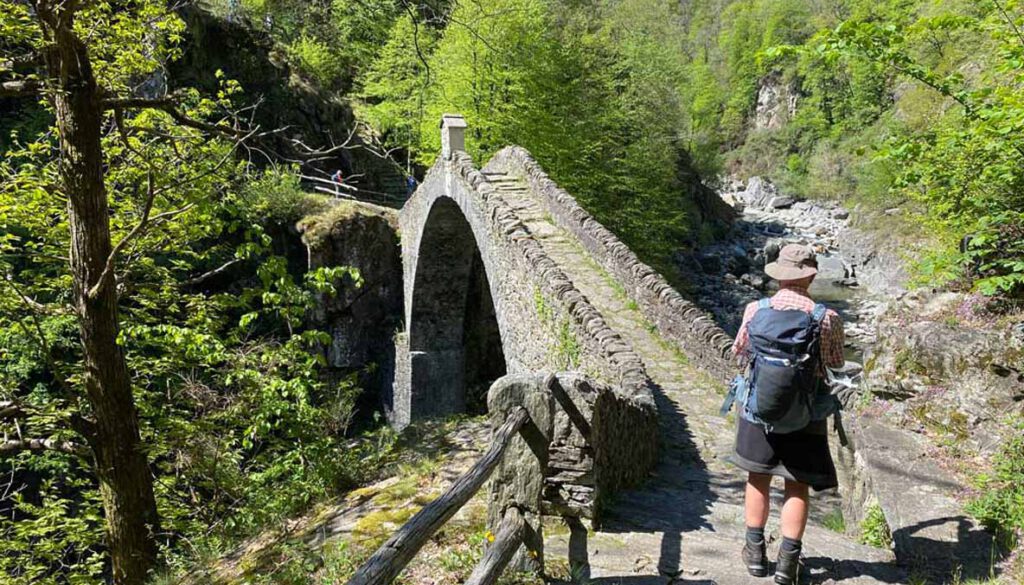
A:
<point x="685" y="524"/>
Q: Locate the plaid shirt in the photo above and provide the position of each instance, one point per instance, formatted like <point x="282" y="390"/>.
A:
<point x="793" y="297"/>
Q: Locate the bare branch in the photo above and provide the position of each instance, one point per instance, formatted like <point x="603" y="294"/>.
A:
<point x="212" y="273"/>
<point x="11" y="448"/>
<point x="170" y="106"/>
<point x="309" y="152"/>
<point x="108" y="268"/>
<point x="20" y="88"/>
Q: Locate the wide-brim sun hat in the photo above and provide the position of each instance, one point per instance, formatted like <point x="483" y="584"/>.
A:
<point x="795" y="261"/>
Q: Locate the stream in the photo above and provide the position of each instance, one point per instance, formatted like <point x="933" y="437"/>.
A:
<point x="730" y="272"/>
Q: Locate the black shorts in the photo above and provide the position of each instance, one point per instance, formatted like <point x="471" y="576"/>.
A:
<point x="801" y="456"/>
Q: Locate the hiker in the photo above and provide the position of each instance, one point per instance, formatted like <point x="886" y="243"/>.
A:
<point x="783" y="403"/>
<point x="410" y="185"/>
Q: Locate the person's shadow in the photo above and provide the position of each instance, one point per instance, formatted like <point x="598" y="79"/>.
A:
<point x="676" y="499"/>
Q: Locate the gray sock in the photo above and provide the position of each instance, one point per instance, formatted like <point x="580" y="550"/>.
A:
<point x="790" y="545"/>
<point x="755" y="535"/>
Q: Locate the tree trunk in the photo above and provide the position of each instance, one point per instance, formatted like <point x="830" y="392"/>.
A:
<point x="125" y="482"/>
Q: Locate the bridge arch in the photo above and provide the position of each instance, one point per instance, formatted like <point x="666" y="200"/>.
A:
<point x="454" y="335"/>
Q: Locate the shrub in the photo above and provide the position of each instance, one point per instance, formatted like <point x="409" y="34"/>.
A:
<point x="325" y="65"/>
<point x="834" y="521"/>
<point x="277" y="197"/>
<point x="874" y="530"/>
<point x="999" y="506"/>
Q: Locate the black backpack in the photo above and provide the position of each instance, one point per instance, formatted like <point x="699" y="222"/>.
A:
<point x="782" y="391"/>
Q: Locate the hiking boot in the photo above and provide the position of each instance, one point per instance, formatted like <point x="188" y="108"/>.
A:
<point x="755" y="558"/>
<point x="787" y="569"/>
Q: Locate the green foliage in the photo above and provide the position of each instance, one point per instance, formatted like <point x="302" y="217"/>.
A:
<point x="874" y="530"/>
<point x="594" y="94"/>
<point x="962" y="166"/>
<point x="242" y="422"/>
<point x="999" y="504"/>
<point x="834" y="521"/>
<point x="318" y="59"/>
<point x="277" y="197"/>
<point x="567" y="347"/>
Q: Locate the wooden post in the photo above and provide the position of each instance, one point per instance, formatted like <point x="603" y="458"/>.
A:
<point x="395" y="554"/>
<point x="519" y="480"/>
<point x="507" y="540"/>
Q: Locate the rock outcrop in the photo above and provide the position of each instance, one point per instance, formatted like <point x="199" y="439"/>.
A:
<point x="776" y="103"/>
<point x="939" y="368"/>
<point x="940" y="384"/>
<point x="363" y="316"/>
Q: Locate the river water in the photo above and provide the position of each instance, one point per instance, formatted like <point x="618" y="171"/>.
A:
<point x="730" y="271"/>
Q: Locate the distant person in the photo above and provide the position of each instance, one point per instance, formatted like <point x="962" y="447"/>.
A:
<point x="783" y="404"/>
<point x="410" y="185"/>
<point x="339" y="181"/>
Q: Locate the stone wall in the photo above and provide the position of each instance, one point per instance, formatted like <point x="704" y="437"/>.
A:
<point x="579" y="475"/>
<point x="676" y="318"/>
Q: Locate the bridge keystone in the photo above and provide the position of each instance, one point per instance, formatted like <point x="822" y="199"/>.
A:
<point x="453" y="135"/>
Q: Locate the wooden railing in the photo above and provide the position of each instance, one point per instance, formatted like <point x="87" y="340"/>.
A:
<point x="527" y="410"/>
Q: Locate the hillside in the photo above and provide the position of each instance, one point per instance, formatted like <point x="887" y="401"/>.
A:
<point x="201" y="275"/>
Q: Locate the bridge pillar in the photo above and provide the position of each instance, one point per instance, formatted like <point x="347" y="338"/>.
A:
<point x="439" y="383"/>
<point x="453" y="134"/>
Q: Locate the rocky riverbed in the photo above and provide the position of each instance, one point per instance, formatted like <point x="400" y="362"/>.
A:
<point x="943" y="386"/>
<point x="730" y="272"/>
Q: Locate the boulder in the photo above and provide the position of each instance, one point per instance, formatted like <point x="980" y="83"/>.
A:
<point x="782" y="202"/>
<point x="895" y="469"/>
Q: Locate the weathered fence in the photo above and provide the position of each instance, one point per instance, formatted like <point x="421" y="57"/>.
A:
<point x="530" y="418"/>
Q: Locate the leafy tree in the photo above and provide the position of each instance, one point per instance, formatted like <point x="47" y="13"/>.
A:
<point x="966" y="168"/>
<point x="133" y="358"/>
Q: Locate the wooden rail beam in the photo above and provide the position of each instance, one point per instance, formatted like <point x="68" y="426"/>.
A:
<point x="565" y="401"/>
<point x="506" y="542"/>
<point x="395" y="554"/>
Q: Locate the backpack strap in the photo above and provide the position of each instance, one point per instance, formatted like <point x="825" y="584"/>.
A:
<point x="765" y="303"/>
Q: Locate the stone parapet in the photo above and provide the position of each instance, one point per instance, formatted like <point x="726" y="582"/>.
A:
<point x="676" y="318"/>
<point x="579" y="473"/>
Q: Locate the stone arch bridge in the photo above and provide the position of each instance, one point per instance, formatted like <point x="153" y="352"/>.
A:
<point x="506" y="275"/>
<point x="492" y="261"/>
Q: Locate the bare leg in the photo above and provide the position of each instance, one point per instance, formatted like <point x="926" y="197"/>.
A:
<point x="794" y="510"/>
<point x="757" y="501"/>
